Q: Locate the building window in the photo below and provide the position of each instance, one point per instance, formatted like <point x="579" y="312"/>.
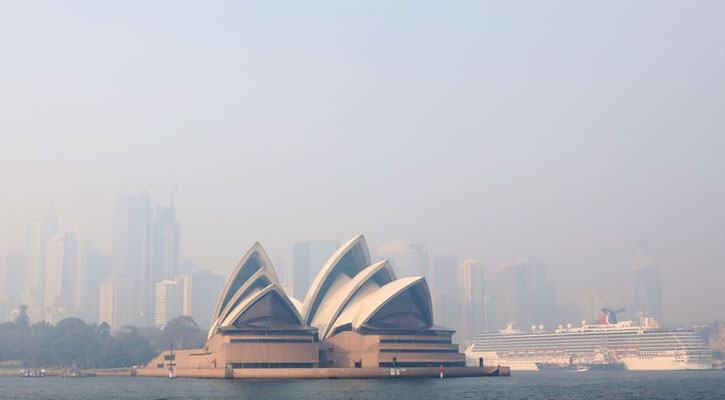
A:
<point x="271" y="365"/>
<point x="272" y="340"/>
<point x="418" y="351"/>
<point x="421" y="364"/>
<point x="426" y="341"/>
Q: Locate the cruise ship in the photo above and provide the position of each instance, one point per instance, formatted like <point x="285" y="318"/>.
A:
<point x="606" y="344"/>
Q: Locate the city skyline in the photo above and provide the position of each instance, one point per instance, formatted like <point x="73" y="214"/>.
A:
<point x="465" y="297"/>
<point x="451" y="284"/>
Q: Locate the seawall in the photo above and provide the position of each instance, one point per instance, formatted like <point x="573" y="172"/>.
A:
<point x="323" y="373"/>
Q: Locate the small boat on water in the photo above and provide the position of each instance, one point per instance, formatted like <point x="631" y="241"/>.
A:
<point x="35" y="373"/>
<point x="75" y="373"/>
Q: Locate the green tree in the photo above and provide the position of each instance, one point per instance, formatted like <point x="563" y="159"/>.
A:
<point x="22" y="318"/>
<point x="183" y="333"/>
<point x="130" y="348"/>
<point x="73" y="342"/>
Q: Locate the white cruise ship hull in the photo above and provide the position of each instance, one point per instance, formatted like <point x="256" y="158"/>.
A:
<point x="623" y="345"/>
<point x="491" y="359"/>
<point x="662" y="364"/>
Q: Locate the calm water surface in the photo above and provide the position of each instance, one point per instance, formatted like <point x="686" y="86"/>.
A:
<point x="532" y="385"/>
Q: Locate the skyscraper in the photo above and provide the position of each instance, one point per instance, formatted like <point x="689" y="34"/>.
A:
<point x="165" y="244"/>
<point x="308" y="260"/>
<point x="169" y="302"/>
<point x="131" y="249"/>
<point x="285" y="275"/>
<point x="474" y="299"/>
<point x="446" y="292"/>
<point x="647" y="287"/>
<point x="523" y="296"/>
<point x="12" y="269"/>
<point x="201" y="291"/>
<point x="96" y="268"/>
<point x="647" y="291"/>
<point x="118" y="302"/>
<point x="61" y="267"/>
<point x="37" y="235"/>
<point x="408" y="259"/>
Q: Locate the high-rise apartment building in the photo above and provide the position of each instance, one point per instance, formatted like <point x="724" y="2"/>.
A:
<point x="61" y="271"/>
<point x="201" y="290"/>
<point x="407" y="259"/>
<point x="169" y="301"/>
<point x="118" y="302"/>
<point x="308" y="260"/>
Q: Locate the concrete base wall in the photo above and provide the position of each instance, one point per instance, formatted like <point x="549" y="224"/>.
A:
<point x="259" y="356"/>
<point x="221" y="350"/>
<point x="324" y="373"/>
<point x="369" y="350"/>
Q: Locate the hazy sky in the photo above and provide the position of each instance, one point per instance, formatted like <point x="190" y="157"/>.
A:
<point x="564" y="130"/>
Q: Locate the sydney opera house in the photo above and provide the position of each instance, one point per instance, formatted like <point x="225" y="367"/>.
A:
<point x="356" y="317"/>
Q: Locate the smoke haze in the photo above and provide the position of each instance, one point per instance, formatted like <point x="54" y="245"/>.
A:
<point x="571" y="132"/>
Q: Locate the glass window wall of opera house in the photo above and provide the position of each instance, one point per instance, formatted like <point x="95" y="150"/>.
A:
<point x="356" y="314"/>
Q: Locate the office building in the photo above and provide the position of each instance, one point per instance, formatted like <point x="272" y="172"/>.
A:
<point x="647" y="286"/>
<point x="446" y="291"/>
<point x="523" y="296"/>
<point x="61" y="271"/>
<point x="308" y="259"/>
<point x="647" y="291"/>
<point x="131" y="249"/>
<point x="95" y="268"/>
<point x="38" y="234"/>
<point x="407" y="259"/>
<point x="169" y="301"/>
<point x="165" y="244"/>
<point x="12" y="271"/>
<point x="201" y="291"/>
<point x="474" y="298"/>
<point x="286" y="275"/>
<point x="118" y="307"/>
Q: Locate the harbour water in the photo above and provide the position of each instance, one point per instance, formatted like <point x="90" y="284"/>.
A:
<point x="523" y="385"/>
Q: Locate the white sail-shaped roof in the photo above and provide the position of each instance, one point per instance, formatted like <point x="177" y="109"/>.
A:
<point x="277" y="313"/>
<point x="367" y="280"/>
<point x="401" y="304"/>
<point x="298" y="304"/>
<point x="349" y="293"/>
<point x="345" y="263"/>
<point x="253" y="272"/>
